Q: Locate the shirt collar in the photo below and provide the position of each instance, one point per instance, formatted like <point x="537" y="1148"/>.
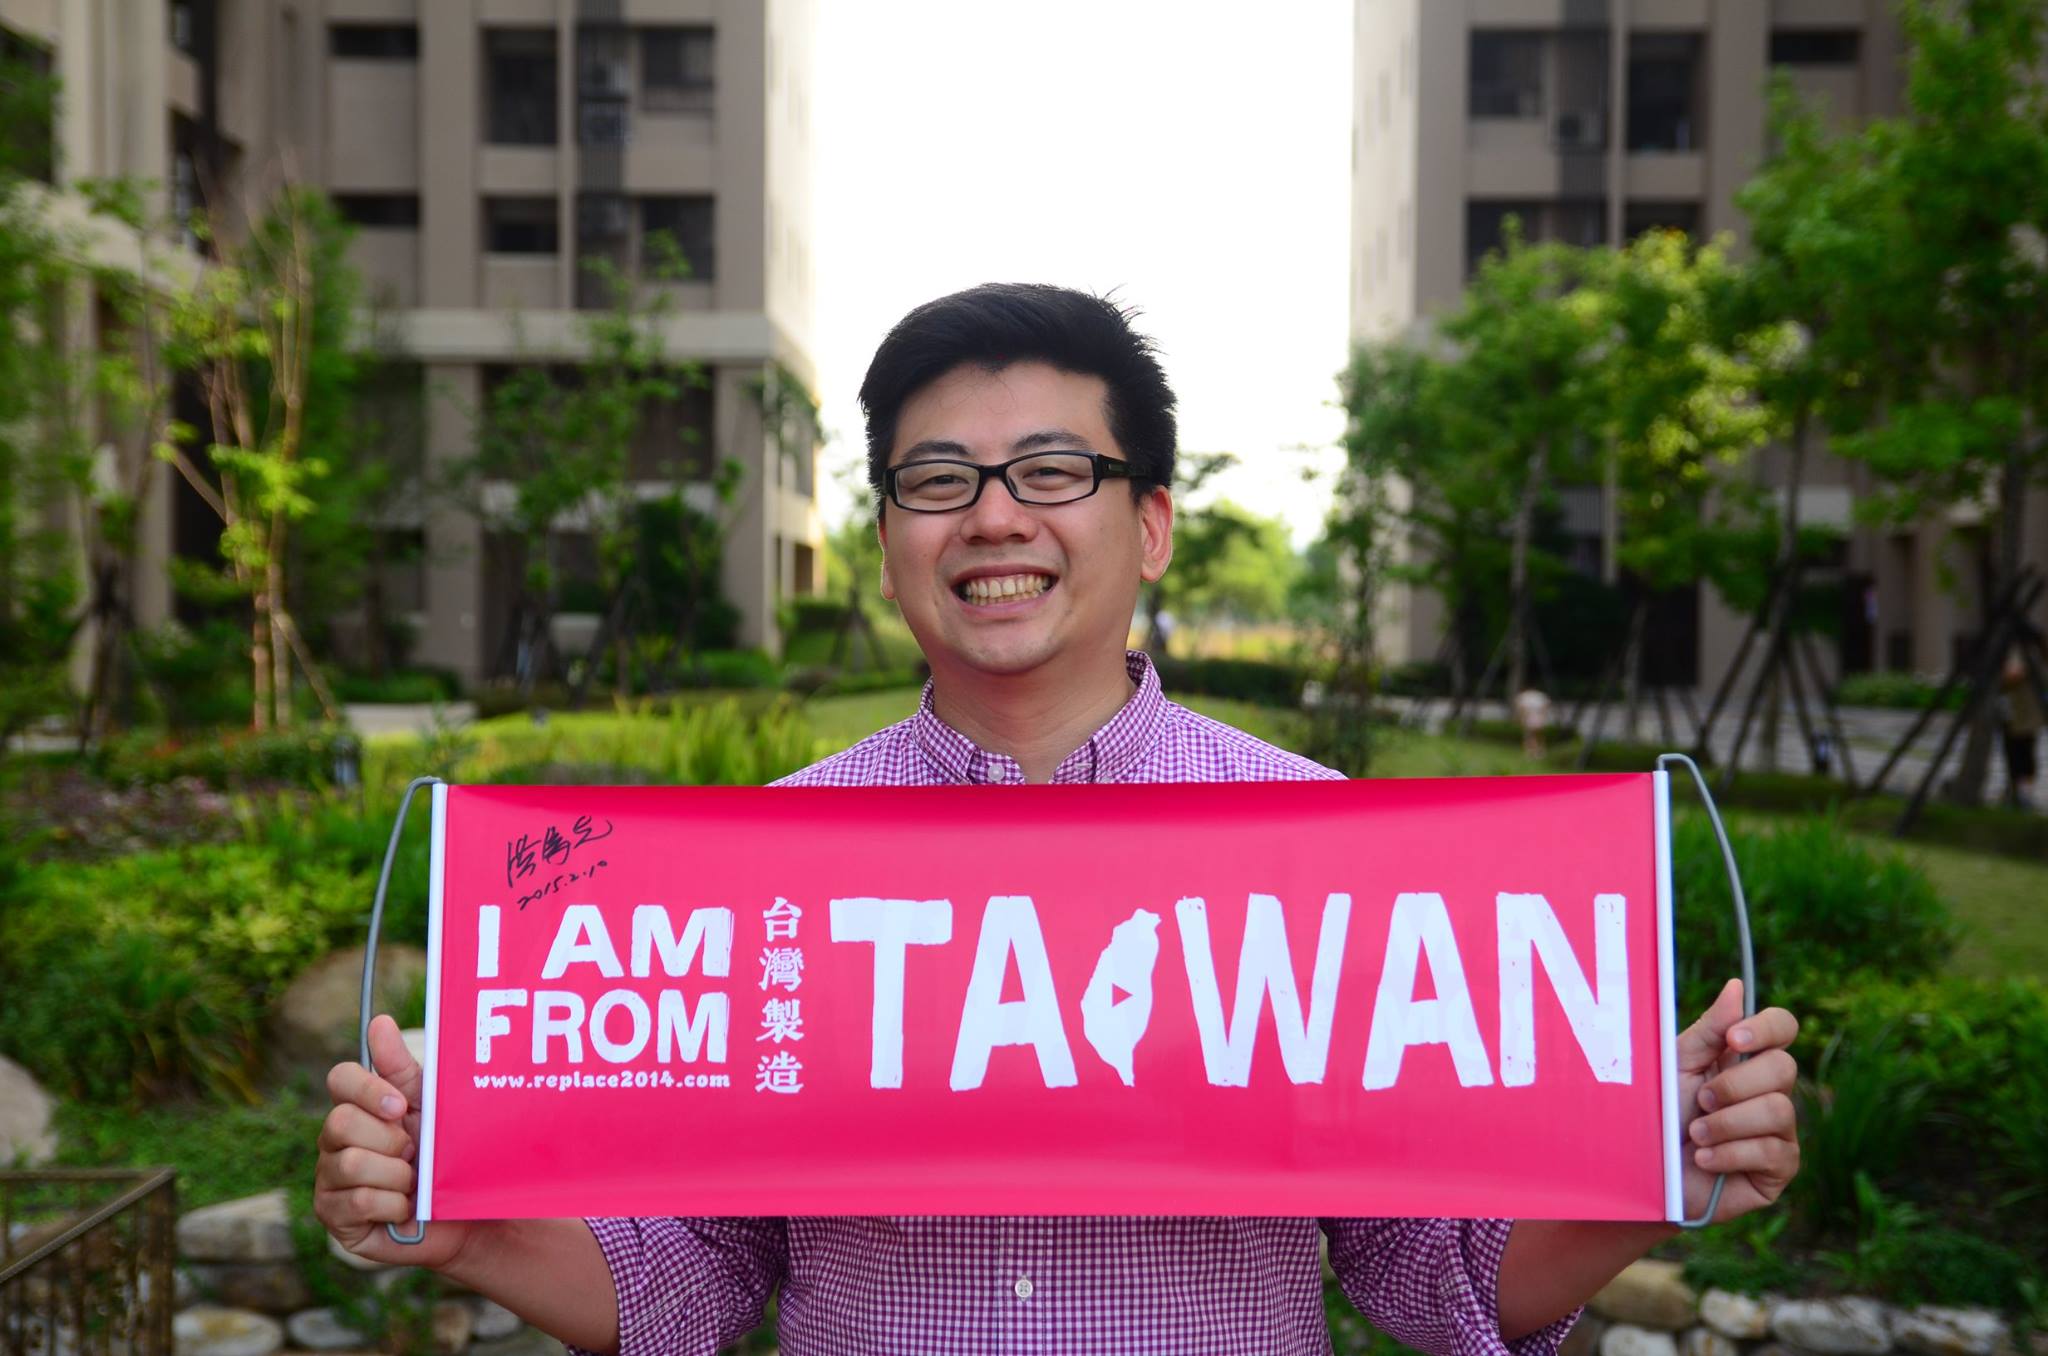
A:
<point x="1108" y="755"/>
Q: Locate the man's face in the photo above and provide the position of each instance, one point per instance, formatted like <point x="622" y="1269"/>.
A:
<point x="1003" y="587"/>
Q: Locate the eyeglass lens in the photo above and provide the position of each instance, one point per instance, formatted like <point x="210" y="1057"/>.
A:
<point x="1049" y="478"/>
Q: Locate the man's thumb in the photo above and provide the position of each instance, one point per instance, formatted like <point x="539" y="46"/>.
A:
<point x="394" y="1061"/>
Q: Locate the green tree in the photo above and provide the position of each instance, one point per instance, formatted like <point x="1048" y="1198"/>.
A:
<point x="1250" y="577"/>
<point x="1679" y="417"/>
<point x="38" y="586"/>
<point x="263" y="329"/>
<point x="1201" y="536"/>
<point x="563" y="441"/>
<point x="1964" y="283"/>
<point x="1524" y="388"/>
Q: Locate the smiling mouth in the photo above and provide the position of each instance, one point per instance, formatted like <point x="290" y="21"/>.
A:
<point x="1003" y="588"/>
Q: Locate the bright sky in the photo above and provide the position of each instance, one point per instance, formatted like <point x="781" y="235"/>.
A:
<point x="1192" y="156"/>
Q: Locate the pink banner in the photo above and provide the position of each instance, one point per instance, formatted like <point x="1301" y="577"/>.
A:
<point x="1443" y="997"/>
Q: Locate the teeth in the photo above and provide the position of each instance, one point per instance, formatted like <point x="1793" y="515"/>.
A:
<point x="1004" y="588"/>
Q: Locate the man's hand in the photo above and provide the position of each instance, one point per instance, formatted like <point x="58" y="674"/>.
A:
<point x="1739" y="1117"/>
<point x="368" y="1145"/>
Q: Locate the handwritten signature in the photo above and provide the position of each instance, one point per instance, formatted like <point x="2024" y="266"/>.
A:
<point x="525" y="854"/>
<point x="566" y="878"/>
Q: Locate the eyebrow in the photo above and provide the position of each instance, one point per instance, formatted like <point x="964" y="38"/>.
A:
<point x="1030" y="442"/>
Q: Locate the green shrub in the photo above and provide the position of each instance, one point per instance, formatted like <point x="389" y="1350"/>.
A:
<point x="412" y="687"/>
<point x="1823" y="907"/>
<point x="127" y="979"/>
<point x="222" y="1153"/>
<point x="731" y="668"/>
<point x="1907" y="1258"/>
<point x="1742" y="1255"/>
<point x="502" y="698"/>
<point x="196" y="678"/>
<point x="1249" y="680"/>
<point x="1860" y="1116"/>
<point x="303" y="756"/>
<point x="1980" y="1049"/>
<point x="1900" y="691"/>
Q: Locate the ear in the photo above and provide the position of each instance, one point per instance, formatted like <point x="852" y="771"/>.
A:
<point x="1155" y="528"/>
<point x="882" y="532"/>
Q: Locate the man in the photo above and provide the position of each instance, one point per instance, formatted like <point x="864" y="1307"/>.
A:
<point x="1021" y="440"/>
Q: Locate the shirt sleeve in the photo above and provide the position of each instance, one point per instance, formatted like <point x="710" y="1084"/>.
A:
<point x="1433" y="1284"/>
<point x="689" y="1286"/>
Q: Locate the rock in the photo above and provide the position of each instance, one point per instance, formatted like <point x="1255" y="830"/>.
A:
<point x="1742" y="1317"/>
<point x="210" y="1331"/>
<point x="1705" y="1341"/>
<point x="1649" y="1294"/>
<point x="1584" y="1338"/>
<point x="314" y="1022"/>
<point x="253" y="1229"/>
<point x="323" y="1330"/>
<point x="1627" y="1339"/>
<point x="454" y="1323"/>
<point x="494" y="1322"/>
<point x="1837" y="1327"/>
<point x="531" y="1342"/>
<point x="1934" y="1331"/>
<point x="26" y="1139"/>
<point x="271" y="1287"/>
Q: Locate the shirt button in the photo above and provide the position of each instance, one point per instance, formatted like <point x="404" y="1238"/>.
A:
<point x="1023" y="1287"/>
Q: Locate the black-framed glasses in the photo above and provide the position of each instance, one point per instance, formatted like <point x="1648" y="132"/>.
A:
<point x="945" y="486"/>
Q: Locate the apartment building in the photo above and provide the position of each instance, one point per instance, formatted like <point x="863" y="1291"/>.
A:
<point x="1593" y="121"/>
<point x="485" y="150"/>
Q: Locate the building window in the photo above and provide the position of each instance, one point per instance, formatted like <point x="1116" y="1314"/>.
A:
<point x="29" y="143"/>
<point x="688" y="221"/>
<point x="521" y="226"/>
<point x="1640" y="218"/>
<point x="1816" y="47"/>
<point x="184" y="28"/>
<point x="674" y="439"/>
<point x="374" y="42"/>
<point x="380" y="211"/>
<point x="519" y="86"/>
<point x="1664" y="94"/>
<point x="1507" y="75"/>
<point x="676" y="70"/>
<point x="1577" y="221"/>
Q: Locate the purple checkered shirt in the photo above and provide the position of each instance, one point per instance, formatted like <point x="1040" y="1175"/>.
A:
<point x="1042" y="1284"/>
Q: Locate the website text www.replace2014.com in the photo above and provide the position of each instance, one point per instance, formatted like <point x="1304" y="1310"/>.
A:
<point x="640" y="1078"/>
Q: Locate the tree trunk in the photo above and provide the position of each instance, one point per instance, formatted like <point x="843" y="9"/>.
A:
<point x="1518" y="573"/>
<point x="280" y="650"/>
<point x="1975" y="770"/>
<point x="1777" y="650"/>
<point x="259" y="661"/>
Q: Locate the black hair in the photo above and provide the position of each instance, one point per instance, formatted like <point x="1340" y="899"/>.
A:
<point x="997" y="324"/>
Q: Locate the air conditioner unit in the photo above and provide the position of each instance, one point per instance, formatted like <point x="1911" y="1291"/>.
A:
<point x="606" y="79"/>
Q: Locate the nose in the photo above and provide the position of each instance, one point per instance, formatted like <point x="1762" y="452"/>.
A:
<point x="997" y="516"/>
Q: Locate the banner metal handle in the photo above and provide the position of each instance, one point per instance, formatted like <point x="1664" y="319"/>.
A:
<point x="1748" y="956"/>
<point x="419" y="1232"/>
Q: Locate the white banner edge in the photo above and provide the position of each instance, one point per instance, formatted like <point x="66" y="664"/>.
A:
<point x="430" y="1097"/>
<point x="1667" y="1001"/>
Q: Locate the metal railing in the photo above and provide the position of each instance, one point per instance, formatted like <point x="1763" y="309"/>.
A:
<point x="85" y="1273"/>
